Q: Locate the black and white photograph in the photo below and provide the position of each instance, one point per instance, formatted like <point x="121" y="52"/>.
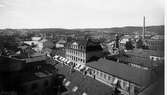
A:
<point x="82" y="47"/>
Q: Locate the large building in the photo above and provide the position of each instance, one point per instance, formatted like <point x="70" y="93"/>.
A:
<point x="82" y="50"/>
<point x="155" y="44"/>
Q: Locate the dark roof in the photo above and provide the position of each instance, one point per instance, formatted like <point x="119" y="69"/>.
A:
<point x="135" y="75"/>
<point x="36" y="58"/>
<point x="156" y="88"/>
<point x="87" y="84"/>
<point x="10" y="64"/>
<point x="82" y="41"/>
<point x="24" y="77"/>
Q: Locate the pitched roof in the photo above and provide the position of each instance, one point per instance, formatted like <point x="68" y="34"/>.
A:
<point x="84" y="83"/>
<point x="156" y="88"/>
<point x="135" y="75"/>
<point x="83" y="41"/>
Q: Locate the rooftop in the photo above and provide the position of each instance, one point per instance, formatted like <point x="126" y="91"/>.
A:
<point x="29" y="76"/>
<point x="84" y="83"/>
<point x="135" y="75"/>
<point x="85" y="41"/>
<point x="156" y="88"/>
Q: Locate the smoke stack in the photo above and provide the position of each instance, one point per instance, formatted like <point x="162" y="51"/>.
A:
<point x="143" y="34"/>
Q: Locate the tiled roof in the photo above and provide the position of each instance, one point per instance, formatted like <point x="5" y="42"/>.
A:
<point x="84" y="83"/>
<point x="135" y="75"/>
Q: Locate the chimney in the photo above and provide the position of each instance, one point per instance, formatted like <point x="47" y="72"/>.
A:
<point x="143" y="33"/>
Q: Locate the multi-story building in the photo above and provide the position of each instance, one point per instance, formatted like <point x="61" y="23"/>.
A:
<point x="82" y="51"/>
<point x="155" y="44"/>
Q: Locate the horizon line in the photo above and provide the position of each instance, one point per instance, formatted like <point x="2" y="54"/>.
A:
<point x="83" y="28"/>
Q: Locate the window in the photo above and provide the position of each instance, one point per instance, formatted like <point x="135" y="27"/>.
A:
<point x="81" y="54"/>
<point x="125" y="85"/>
<point x="83" y="61"/>
<point x="136" y="90"/>
<point x="93" y="71"/>
<point x="97" y="73"/>
<point x="101" y="74"/>
<point x="109" y="77"/>
<point x="104" y="76"/>
<point x="81" y="47"/>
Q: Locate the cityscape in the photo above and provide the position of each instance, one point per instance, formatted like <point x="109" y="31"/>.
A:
<point x="117" y="60"/>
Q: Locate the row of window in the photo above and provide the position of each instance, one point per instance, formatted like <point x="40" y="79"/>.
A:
<point x="154" y="58"/>
<point x="110" y="79"/>
<point x="76" y="58"/>
<point x="138" y="66"/>
<point x="80" y="47"/>
<point x="77" y="53"/>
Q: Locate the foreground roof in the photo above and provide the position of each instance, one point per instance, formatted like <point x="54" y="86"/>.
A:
<point x="84" y="83"/>
<point x="135" y="75"/>
<point x="156" y="88"/>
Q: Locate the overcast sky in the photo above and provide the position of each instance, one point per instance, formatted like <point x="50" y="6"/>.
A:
<point x="79" y="13"/>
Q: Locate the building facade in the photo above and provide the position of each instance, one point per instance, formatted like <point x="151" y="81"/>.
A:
<point x="81" y="50"/>
<point x="155" y="44"/>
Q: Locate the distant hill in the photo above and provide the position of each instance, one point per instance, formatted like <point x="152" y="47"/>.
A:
<point x="128" y="29"/>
